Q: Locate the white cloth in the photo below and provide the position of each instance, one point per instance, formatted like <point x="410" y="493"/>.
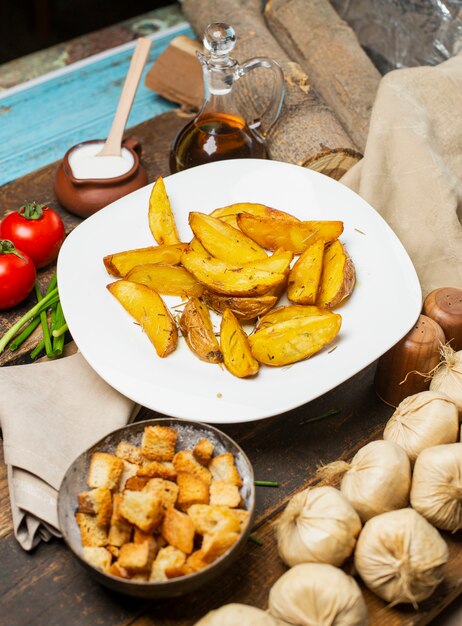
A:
<point x="50" y="412"/>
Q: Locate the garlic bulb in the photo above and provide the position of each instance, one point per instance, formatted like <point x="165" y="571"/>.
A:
<point x="318" y="525"/>
<point x="377" y="480"/>
<point x="447" y="377"/>
<point x="316" y="594"/>
<point x="236" y="615"/>
<point x="400" y="556"/>
<point x="425" y="419"/>
<point x="436" y="491"/>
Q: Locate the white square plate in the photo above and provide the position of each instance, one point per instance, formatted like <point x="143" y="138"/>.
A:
<point x="384" y="305"/>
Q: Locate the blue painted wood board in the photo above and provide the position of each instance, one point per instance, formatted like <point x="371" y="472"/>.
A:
<point x="40" y="123"/>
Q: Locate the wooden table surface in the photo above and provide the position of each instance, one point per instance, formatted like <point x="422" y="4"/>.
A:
<point x="49" y="587"/>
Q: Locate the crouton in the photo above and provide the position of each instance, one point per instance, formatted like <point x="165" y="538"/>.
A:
<point x="167" y="558"/>
<point x="105" y="471"/>
<point x="184" y="461"/>
<point x="158" y="443"/>
<point x="156" y="469"/>
<point x="217" y="543"/>
<point x="117" y="570"/>
<point x="224" y="494"/>
<point x="97" y="502"/>
<point x="203" y="451"/>
<point x="137" y="557"/>
<point x="136" y="483"/>
<point x="191" y="490"/>
<point x="142" y="509"/>
<point x="114" y="550"/>
<point x="242" y="516"/>
<point x="178" y="530"/>
<point x="130" y="453"/>
<point x="129" y="471"/>
<point x="209" y="519"/>
<point x="120" y="531"/>
<point x="92" y="534"/>
<point x="98" y="557"/>
<point x="196" y="561"/>
<point x="165" y="489"/>
<point x="223" y="468"/>
<point x="141" y="577"/>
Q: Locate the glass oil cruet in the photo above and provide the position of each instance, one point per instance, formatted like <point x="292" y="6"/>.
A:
<point x="219" y="131"/>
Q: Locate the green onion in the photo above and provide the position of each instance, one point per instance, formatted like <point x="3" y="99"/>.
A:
<point x="14" y="345"/>
<point x="38" y="348"/>
<point x="46" y="302"/>
<point x="43" y="318"/>
<point x="255" y="540"/>
<point x="320" y="417"/>
<point x="59" y="331"/>
<point x="265" y="483"/>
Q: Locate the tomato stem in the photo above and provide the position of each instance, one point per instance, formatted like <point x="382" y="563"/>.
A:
<point x="31" y="211"/>
<point x="47" y="301"/>
<point x="7" y="247"/>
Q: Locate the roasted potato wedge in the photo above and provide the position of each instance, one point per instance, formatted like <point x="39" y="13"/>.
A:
<point x="243" y="308"/>
<point x="149" y="310"/>
<point x="196" y="245"/>
<point x="161" y="220"/>
<point x="235" y="348"/>
<point x="290" y="312"/>
<point x="273" y="233"/>
<point x="222" y="278"/>
<point x="224" y="241"/>
<point x="294" y="339"/>
<point x="120" y="263"/>
<point x="338" y="276"/>
<point x="197" y="329"/>
<point x="168" y="280"/>
<point x="305" y="276"/>
<point x="229" y="213"/>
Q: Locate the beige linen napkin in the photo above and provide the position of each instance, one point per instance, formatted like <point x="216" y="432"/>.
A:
<point x="49" y="413"/>
<point x="411" y="172"/>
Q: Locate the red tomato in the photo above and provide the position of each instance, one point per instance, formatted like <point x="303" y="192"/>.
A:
<point x="17" y="275"/>
<point x="36" y="230"/>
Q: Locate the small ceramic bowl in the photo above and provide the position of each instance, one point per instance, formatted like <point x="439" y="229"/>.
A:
<point x="85" y="196"/>
<point x="189" y="433"/>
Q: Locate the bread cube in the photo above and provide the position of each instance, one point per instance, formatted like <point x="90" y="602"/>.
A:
<point x="196" y="561"/>
<point x="130" y="453"/>
<point x="92" y="534"/>
<point x="167" y="558"/>
<point x="117" y="570"/>
<point x="242" y="516"/>
<point x="136" y="557"/>
<point x="223" y="468"/>
<point x="203" y="451"/>
<point x="165" y="489"/>
<point x="97" y="502"/>
<point x="210" y="519"/>
<point x="224" y="494"/>
<point x="120" y="531"/>
<point x="217" y="543"/>
<point x="98" y="557"/>
<point x="129" y="471"/>
<point x="178" y="530"/>
<point x="105" y="471"/>
<point x="184" y="461"/>
<point x="158" y="443"/>
<point x="142" y="509"/>
<point x="191" y="490"/>
<point x="136" y="483"/>
<point x="114" y="550"/>
<point x="156" y="469"/>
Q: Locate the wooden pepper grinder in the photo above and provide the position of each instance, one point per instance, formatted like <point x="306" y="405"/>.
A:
<point x="445" y="307"/>
<point x="418" y="351"/>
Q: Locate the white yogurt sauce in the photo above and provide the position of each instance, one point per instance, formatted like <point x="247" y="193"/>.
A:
<point x="85" y="164"/>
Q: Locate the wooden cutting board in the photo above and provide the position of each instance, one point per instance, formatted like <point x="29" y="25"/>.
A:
<point x="49" y="587"/>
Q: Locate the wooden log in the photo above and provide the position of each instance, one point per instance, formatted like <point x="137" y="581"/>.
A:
<point x="308" y="133"/>
<point x="314" y="35"/>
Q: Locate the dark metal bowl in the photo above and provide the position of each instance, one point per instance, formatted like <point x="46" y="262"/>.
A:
<point x="189" y="433"/>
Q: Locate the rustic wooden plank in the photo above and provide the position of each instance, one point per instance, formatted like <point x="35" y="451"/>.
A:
<point x="50" y="108"/>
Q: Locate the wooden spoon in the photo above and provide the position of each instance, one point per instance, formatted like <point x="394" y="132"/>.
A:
<point x="112" y="145"/>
